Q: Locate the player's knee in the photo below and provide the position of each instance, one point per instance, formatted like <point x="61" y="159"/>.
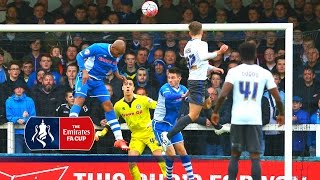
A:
<point x="255" y="155"/>
<point x="79" y="100"/>
<point x="107" y="106"/>
<point x="132" y="164"/>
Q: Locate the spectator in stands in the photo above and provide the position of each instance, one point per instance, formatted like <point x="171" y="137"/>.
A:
<point x="308" y="89"/>
<point x="3" y="69"/>
<point x="19" y="107"/>
<point x="308" y="43"/>
<point x="170" y="41"/>
<point x="27" y="68"/>
<point x="77" y="40"/>
<point x="130" y="67"/>
<point x="103" y="8"/>
<point x="70" y="77"/>
<point x="116" y="85"/>
<point x="269" y="59"/>
<point x="23" y="9"/>
<point x="274" y="140"/>
<point x="63" y="110"/>
<point x="253" y="15"/>
<point x="66" y="10"/>
<point x="3" y="9"/>
<point x="57" y="59"/>
<point x="45" y="4"/>
<point x="14" y="71"/>
<point x="34" y="55"/>
<point x="11" y="16"/>
<point x="45" y="64"/>
<point x="280" y="68"/>
<point x="150" y="42"/>
<point x="271" y="41"/>
<point x="126" y="14"/>
<point x="203" y="14"/>
<point x="307" y="16"/>
<point x="280" y="13"/>
<point x="116" y="5"/>
<point x="71" y="53"/>
<point x="267" y="11"/>
<point x="221" y="16"/>
<point x="170" y="58"/>
<point x="216" y="81"/>
<point x="14" y="43"/>
<point x="313" y="61"/>
<point x="80" y="15"/>
<point x="158" y="54"/>
<point x="61" y="39"/>
<point x="294" y="20"/>
<point x="39" y="15"/>
<point x="187" y="16"/>
<point x="238" y="13"/>
<point x="142" y="57"/>
<point x="315" y="23"/>
<point x="159" y="75"/>
<point x="40" y="74"/>
<point x="93" y="14"/>
<point x="168" y="14"/>
<point x="47" y="96"/>
<point x="142" y="80"/>
<point x="299" y="116"/>
<point x="297" y="45"/>
<point x="113" y="17"/>
<point x="141" y="91"/>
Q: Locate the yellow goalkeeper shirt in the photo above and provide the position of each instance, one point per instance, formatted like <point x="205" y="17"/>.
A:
<point x="136" y="114"/>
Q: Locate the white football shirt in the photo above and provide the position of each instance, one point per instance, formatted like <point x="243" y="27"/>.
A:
<point x="248" y="82"/>
<point x="196" y="53"/>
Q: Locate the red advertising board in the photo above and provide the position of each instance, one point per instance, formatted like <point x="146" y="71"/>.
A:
<point x="203" y="169"/>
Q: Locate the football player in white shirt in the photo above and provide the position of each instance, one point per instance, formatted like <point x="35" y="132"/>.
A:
<point x="197" y="55"/>
<point x="247" y="82"/>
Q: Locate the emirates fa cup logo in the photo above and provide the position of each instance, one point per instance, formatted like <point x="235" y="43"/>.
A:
<point x="41" y="133"/>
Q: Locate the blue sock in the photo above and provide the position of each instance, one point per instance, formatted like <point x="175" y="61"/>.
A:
<point x="75" y="110"/>
<point x="114" y="124"/>
<point x="186" y="162"/>
<point x="169" y="168"/>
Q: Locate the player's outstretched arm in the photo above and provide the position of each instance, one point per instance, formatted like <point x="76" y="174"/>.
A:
<point x="119" y="76"/>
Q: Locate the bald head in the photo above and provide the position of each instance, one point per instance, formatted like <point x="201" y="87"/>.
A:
<point x="118" y="48"/>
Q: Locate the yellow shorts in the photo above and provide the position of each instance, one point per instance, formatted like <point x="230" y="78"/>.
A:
<point x="139" y="143"/>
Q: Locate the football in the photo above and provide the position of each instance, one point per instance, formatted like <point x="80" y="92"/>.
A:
<point x="149" y="8"/>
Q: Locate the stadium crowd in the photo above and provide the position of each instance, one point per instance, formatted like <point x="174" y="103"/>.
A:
<point x="42" y="67"/>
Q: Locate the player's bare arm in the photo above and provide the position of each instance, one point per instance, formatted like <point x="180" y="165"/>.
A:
<point x="119" y="76"/>
<point x="275" y="94"/>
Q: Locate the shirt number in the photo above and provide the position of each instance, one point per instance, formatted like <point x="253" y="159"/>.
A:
<point x="245" y="89"/>
<point x="190" y="59"/>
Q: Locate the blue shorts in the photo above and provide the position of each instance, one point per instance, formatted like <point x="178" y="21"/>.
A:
<point x="159" y="127"/>
<point x="93" y="88"/>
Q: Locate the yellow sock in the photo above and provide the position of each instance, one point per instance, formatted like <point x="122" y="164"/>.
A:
<point x="163" y="168"/>
<point x="134" y="171"/>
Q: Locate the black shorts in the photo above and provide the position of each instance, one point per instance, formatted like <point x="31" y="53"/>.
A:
<point x="198" y="91"/>
<point x="246" y="137"/>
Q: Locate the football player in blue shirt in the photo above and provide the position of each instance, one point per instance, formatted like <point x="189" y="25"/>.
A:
<point x="166" y="114"/>
<point x="95" y="62"/>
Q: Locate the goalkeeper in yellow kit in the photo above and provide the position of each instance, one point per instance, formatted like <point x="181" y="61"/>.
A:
<point x="134" y="109"/>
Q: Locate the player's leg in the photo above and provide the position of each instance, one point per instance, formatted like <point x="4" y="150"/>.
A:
<point x="99" y="90"/>
<point x="156" y="150"/>
<point x="237" y="141"/>
<point x="178" y="145"/>
<point x="253" y="140"/>
<point x="196" y="99"/>
<point x="136" y="148"/>
<point x="80" y="95"/>
<point x="158" y="128"/>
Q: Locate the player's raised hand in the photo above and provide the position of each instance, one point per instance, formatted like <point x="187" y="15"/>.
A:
<point x="214" y="118"/>
<point x="280" y="120"/>
<point x="85" y="76"/>
<point x="218" y="70"/>
<point x="224" y="48"/>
